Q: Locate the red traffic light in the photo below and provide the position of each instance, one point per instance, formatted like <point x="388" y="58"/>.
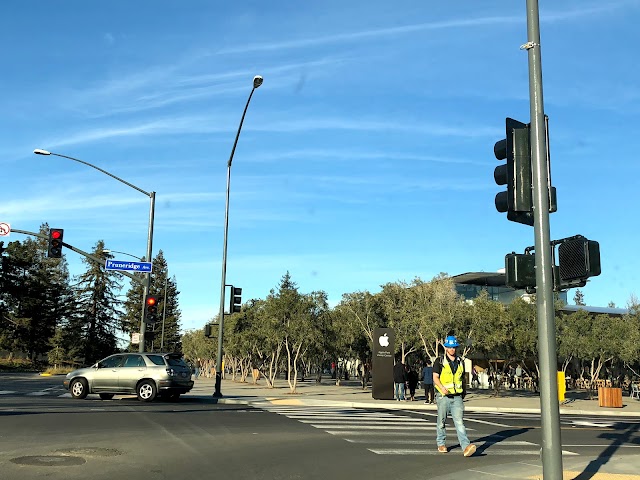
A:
<point x="55" y="234"/>
<point x="151" y="301"/>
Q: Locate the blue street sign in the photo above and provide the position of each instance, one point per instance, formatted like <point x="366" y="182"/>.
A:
<point x="144" y="267"/>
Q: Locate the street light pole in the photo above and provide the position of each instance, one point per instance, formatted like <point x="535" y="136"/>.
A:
<point x="152" y="197"/>
<point x="257" y="81"/>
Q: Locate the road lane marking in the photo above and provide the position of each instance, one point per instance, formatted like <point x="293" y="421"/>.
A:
<point x="434" y="451"/>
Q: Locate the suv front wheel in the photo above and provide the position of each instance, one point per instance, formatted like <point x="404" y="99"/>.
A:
<point x="79" y="388"/>
<point x="146" y="391"/>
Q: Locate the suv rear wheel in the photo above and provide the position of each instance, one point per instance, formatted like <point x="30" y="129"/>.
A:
<point x="146" y="390"/>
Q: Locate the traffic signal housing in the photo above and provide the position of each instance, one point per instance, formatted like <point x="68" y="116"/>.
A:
<point x="578" y="259"/>
<point x="151" y="309"/>
<point x="211" y="330"/>
<point x="54" y="250"/>
<point x="520" y="270"/>
<point x="235" y="301"/>
<point x="515" y="148"/>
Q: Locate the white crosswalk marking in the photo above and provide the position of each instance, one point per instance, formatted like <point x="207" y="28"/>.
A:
<point x="6" y="392"/>
<point x="388" y="433"/>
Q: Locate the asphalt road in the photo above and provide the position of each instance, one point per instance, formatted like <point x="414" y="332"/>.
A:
<point x="45" y="433"/>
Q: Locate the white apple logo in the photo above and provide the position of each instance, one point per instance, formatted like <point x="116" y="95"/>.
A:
<point x="383" y="340"/>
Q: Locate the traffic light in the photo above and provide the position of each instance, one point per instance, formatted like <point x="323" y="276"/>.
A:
<point x="55" y="243"/>
<point x="149" y="336"/>
<point x="578" y="259"/>
<point x="517" y="200"/>
<point x="210" y="330"/>
<point x="236" y="299"/>
<point x="151" y="309"/>
<point x="520" y="270"/>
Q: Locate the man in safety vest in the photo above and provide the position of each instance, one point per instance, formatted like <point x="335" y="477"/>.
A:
<point x="448" y="378"/>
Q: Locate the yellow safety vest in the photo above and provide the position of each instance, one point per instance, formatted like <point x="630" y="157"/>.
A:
<point x="452" y="381"/>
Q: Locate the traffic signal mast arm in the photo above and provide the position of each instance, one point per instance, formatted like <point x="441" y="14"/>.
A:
<point x="81" y="252"/>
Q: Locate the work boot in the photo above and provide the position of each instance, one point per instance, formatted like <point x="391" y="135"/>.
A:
<point x="443" y="449"/>
<point x="470" y="450"/>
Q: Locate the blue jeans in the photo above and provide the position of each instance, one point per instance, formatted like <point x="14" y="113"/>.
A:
<point x="455" y="407"/>
<point x="399" y="391"/>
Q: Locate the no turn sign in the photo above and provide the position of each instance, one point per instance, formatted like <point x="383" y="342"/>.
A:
<point x="5" y="229"/>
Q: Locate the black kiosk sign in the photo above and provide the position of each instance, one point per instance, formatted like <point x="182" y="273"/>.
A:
<point x="383" y="352"/>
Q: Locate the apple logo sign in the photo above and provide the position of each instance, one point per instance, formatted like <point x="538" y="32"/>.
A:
<point x="383" y="340"/>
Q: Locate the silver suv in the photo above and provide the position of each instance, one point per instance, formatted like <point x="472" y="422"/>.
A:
<point x="143" y="374"/>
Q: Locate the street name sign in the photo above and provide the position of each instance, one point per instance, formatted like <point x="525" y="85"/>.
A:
<point x="125" y="265"/>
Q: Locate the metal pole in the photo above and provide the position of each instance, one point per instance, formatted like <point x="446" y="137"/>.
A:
<point x="164" y="312"/>
<point x="143" y="325"/>
<point x="550" y="411"/>
<point x="218" y="392"/>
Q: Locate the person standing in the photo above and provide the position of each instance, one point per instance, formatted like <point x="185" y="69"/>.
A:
<point x="448" y="378"/>
<point x="427" y="382"/>
<point x="399" y="379"/>
<point x="519" y="376"/>
<point x="412" y="382"/>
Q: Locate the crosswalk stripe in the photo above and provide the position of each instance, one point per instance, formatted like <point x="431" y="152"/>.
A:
<point x="385" y="433"/>
<point x="372" y="427"/>
<point x="426" y="433"/>
<point x="372" y="421"/>
<point x="433" y="451"/>
<point x="6" y="392"/>
<point x="431" y="438"/>
<point x="37" y="394"/>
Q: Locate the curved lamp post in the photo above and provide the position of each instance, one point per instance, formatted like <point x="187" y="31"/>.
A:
<point x="257" y="81"/>
<point x="152" y="196"/>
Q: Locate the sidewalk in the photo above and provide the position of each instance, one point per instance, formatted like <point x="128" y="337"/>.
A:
<point x="350" y="394"/>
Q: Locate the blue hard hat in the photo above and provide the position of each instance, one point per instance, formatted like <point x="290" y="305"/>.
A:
<point x="451" y="342"/>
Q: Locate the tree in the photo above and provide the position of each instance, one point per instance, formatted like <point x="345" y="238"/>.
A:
<point x="96" y="318"/>
<point x="168" y="327"/>
<point x="439" y="312"/>
<point x="578" y="298"/>
<point x="293" y="315"/>
<point x="398" y="307"/>
<point x="33" y="296"/>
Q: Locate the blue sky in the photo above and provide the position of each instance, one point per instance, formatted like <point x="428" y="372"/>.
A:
<point x="366" y="157"/>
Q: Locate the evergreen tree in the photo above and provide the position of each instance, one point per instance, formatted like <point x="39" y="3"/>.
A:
<point x="130" y="320"/>
<point x="167" y="329"/>
<point x="33" y="296"/>
<point x="96" y="318"/>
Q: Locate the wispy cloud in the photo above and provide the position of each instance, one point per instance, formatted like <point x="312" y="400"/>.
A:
<point x="176" y="125"/>
<point x="164" y="85"/>
<point x="299" y="43"/>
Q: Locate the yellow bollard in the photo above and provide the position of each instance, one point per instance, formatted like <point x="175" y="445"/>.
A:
<point x="562" y="386"/>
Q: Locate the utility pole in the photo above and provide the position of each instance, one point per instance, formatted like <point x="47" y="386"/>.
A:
<point x="550" y="411"/>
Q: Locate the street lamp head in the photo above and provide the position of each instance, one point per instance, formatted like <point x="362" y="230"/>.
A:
<point x="257" y="81"/>
<point x="39" y="151"/>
